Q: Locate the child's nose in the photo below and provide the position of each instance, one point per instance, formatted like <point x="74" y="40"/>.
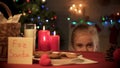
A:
<point x="84" y="48"/>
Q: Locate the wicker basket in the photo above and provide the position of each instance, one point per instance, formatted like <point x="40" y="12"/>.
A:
<point x="7" y="30"/>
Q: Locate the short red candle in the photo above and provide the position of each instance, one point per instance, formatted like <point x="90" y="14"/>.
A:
<point x="54" y="42"/>
<point x="43" y="40"/>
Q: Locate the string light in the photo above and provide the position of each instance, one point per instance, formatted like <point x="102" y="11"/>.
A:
<point x="37" y="27"/>
<point x="52" y="18"/>
<point x="118" y="13"/>
<point x="15" y="0"/>
<point x="43" y="1"/>
<point x="80" y="5"/>
<point x="37" y="9"/>
<point x="40" y="23"/>
<point x="106" y="22"/>
<point x="90" y="23"/>
<point x="38" y="17"/>
<point x="29" y="11"/>
<point x="68" y="18"/>
<point x="24" y="13"/>
<point x="28" y="1"/>
<point x="42" y="6"/>
<point x="32" y="19"/>
<point x="53" y="25"/>
<point x="103" y="18"/>
<point x="73" y="5"/>
<point x="46" y="8"/>
<point x="74" y="23"/>
<point x="79" y="11"/>
<point x="81" y="21"/>
<point x="55" y="17"/>
<point x="47" y="20"/>
<point x="112" y="22"/>
<point x="76" y="9"/>
<point x="118" y="20"/>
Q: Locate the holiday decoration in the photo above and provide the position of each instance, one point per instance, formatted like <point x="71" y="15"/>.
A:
<point x="48" y="42"/>
<point x="45" y="60"/>
<point x="20" y="50"/>
<point x="109" y="21"/>
<point x="54" y="42"/>
<point x="14" y="19"/>
<point x="78" y="9"/>
<point x="35" y="11"/>
<point x="2" y="18"/>
<point x="11" y="29"/>
<point x="77" y="21"/>
<point x="73" y="23"/>
<point x="43" y="39"/>
<point x="114" y="29"/>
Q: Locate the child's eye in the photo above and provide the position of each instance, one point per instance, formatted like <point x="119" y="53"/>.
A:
<point x="79" y="45"/>
<point x="90" y="45"/>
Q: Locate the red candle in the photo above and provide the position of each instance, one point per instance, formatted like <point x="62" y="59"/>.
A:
<point x="54" y="42"/>
<point x="43" y="39"/>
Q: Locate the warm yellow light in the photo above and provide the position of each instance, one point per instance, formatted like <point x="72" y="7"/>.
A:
<point x="43" y="27"/>
<point x="75" y="10"/>
<point x="80" y="5"/>
<point x="43" y="0"/>
<point x="24" y="13"/>
<point x="79" y="11"/>
<point x="73" y="5"/>
<point x="71" y="8"/>
<point x="118" y="13"/>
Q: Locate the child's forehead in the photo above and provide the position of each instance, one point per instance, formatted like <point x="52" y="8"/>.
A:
<point x="83" y="33"/>
<point x="84" y="38"/>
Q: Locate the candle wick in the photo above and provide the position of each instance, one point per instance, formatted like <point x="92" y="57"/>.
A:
<point x="43" y="27"/>
<point x="54" y="33"/>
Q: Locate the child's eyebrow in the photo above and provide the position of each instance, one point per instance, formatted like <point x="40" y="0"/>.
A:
<point x="86" y="44"/>
<point x="90" y="43"/>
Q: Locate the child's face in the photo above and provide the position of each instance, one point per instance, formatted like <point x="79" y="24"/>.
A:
<point x="83" y="42"/>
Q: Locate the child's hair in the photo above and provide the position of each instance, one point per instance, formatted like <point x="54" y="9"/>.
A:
<point x="86" y="28"/>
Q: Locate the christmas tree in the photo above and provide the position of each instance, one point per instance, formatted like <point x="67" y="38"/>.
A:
<point x="35" y="11"/>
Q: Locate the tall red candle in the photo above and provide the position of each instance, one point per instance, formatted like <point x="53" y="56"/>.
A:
<point x="43" y="39"/>
<point x="55" y="42"/>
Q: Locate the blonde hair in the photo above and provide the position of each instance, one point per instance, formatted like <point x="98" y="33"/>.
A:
<point x="90" y="29"/>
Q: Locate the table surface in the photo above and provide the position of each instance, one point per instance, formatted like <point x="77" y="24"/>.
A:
<point x="97" y="56"/>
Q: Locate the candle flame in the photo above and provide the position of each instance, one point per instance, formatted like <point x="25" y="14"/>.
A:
<point x="54" y="33"/>
<point x="43" y="27"/>
<point x="35" y="26"/>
